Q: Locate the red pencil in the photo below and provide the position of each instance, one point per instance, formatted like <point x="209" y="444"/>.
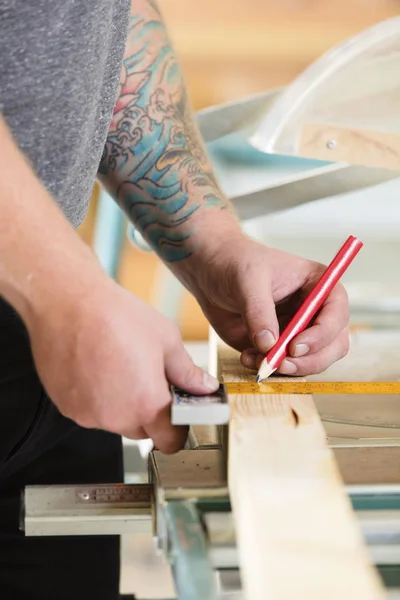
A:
<point x="310" y="306"/>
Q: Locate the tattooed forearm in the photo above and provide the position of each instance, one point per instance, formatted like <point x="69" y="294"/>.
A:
<point x="154" y="160"/>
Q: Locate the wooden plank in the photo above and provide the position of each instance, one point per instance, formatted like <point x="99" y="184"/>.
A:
<point x="297" y="534"/>
<point x="355" y="146"/>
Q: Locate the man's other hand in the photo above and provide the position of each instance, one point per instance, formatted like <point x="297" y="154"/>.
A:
<point x="249" y="292"/>
<point x="107" y="359"/>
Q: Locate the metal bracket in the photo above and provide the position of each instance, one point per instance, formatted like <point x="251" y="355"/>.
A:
<point x="109" y="509"/>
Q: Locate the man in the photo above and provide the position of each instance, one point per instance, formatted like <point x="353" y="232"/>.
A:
<point x="70" y="334"/>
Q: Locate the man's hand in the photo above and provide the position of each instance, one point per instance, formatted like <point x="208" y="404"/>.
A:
<point x="107" y="359"/>
<point x="249" y="292"/>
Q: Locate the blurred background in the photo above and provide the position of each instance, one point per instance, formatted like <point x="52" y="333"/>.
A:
<point x="230" y="49"/>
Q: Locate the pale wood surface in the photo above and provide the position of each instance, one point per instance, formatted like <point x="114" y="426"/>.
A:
<point x="296" y="532"/>
<point x="355" y="146"/>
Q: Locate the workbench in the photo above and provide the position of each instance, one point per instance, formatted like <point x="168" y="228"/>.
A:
<point x="187" y="505"/>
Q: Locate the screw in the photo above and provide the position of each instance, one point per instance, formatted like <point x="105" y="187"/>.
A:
<point x="331" y="144"/>
<point x="84" y="495"/>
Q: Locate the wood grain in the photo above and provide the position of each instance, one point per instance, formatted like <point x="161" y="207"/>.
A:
<point x="291" y="511"/>
<point x="370" y="148"/>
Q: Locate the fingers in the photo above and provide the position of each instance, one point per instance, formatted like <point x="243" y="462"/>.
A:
<point x="232" y="331"/>
<point x="331" y="320"/>
<point x="311" y="364"/>
<point x="154" y="415"/>
<point x="166" y="437"/>
<point x="155" y="412"/>
<point x="251" y="358"/>
<point x="317" y="347"/>
<point x="182" y="372"/>
<point x="317" y="362"/>
<point x="136" y="434"/>
<point x="258" y="311"/>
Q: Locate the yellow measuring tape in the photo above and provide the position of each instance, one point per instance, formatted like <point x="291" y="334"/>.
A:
<point x="314" y="387"/>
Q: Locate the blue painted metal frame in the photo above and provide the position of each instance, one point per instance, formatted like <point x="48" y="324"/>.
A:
<point x="109" y="233"/>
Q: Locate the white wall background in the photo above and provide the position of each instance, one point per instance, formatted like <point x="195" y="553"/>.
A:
<point x="317" y="230"/>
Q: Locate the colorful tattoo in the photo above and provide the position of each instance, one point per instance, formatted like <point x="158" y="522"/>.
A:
<point x="154" y="156"/>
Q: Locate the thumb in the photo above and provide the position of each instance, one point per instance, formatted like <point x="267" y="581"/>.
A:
<point x="182" y="372"/>
<point x="259" y="314"/>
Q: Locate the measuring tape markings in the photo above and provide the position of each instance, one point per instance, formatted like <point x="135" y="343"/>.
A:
<point x="314" y="387"/>
<point x="321" y="387"/>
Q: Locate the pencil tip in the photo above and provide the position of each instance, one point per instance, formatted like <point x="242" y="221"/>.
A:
<point x="264" y="371"/>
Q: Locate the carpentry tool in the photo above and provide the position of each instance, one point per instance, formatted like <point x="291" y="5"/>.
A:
<point x="310" y="306"/>
<point x="315" y="387"/>
<point x="213" y="409"/>
<point x="189" y="409"/>
<point x="186" y="505"/>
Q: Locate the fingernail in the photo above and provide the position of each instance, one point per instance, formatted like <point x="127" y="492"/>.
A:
<point x="287" y="368"/>
<point x="210" y="382"/>
<point x="301" y="350"/>
<point x="264" y="340"/>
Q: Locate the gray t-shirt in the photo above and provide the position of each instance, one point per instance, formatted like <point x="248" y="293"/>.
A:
<point x="60" y="62"/>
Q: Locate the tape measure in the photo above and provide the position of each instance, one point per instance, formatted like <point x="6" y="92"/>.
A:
<point x="314" y="387"/>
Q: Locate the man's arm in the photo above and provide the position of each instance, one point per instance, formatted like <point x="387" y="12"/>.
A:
<point x="154" y="161"/>
<point x="104" y="357"/>
<point x="40" y="253"/>
<point x="155" y="165"/>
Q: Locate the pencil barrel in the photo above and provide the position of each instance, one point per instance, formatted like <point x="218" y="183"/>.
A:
<point x="315" y="299"/>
